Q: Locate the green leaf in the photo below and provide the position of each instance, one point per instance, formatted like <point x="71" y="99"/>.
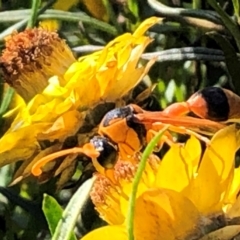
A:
<point x="7" y="98"/>
<point x="72" y="211"/>
<point x="229" y="23"/>
<point x="231" y="58"/>
<point x="236" y="7"/>
<point x="53" y="213"/>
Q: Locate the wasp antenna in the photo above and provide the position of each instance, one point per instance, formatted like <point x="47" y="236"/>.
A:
<point x="87" y="150"/>
<point x="90" y="150"/>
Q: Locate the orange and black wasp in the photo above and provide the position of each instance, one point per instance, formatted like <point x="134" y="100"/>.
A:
<point x="125" y="131"/>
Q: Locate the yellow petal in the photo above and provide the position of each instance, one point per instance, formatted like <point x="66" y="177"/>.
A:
<point x="107" y="233"/>
<point x="65" y="126"/>
<point x="20" y="145"/>
<point x="144" y="26"/>
<point x="33" y="105"/>
<point x="193" y="151"/>
<point x="125" y="193"/>
<point x="50" y="24"/>
<point x="46" y="112"/>
<point x="54" y="89"/>
<point x="167" y="215"/>
<point x="234" y="210"/>
<point x="128" y="80"/>
<point x="216" y="171"/>
<point x="173" y="172"/>
<point x="234" y="188"/>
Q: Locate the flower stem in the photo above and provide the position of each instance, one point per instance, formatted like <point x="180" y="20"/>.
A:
<point x="196" y="4"/>
<point x="170" y="55"/>
<point x="20" y="15"/>
<point x="6" y="100"/>
<point x="34" y="13"/>
<point x="141" y="167"/>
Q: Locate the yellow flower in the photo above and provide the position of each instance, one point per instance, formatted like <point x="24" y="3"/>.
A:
<point x="182" y="197"/>
<point x="56" y="112"/>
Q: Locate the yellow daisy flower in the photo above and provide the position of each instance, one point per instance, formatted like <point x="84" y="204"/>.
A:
<point x="55" y="107"/>
<point x="182" y="197"/>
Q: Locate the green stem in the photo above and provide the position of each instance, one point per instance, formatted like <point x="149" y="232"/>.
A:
<point x="20" y="15"/>
<point x="196" y="4"/>
<point x="138" y="176"/>
<point x="10" y="15"/>
<point x="170" y="55"/>
<point x="228" y="22"/>
<point x="6" y="100"/>
<point x="166" y="11"/>
<point x="33" y="18"/>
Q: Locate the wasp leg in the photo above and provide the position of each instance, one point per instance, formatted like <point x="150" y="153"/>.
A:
<point x="167" y="137"/>
<point x="183" y="130"/>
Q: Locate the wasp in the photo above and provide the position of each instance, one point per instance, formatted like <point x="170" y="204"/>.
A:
<point x="105" y="147"/>
<point x="125" y="131"/>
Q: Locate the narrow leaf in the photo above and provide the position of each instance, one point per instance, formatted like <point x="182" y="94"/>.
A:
<point x="72" y="211"/>
<point x="53" y="213"/>
<point x="231" y="58"/>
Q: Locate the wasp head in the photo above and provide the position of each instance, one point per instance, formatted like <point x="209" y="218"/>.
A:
<point x="108" y="151"/>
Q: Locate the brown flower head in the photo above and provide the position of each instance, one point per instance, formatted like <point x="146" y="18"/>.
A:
<point x="31" y="57"/>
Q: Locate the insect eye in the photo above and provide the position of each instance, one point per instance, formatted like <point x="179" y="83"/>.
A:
<point x="108" y="151"/>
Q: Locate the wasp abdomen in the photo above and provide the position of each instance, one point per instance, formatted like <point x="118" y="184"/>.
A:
<point x="217" y="103"/>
